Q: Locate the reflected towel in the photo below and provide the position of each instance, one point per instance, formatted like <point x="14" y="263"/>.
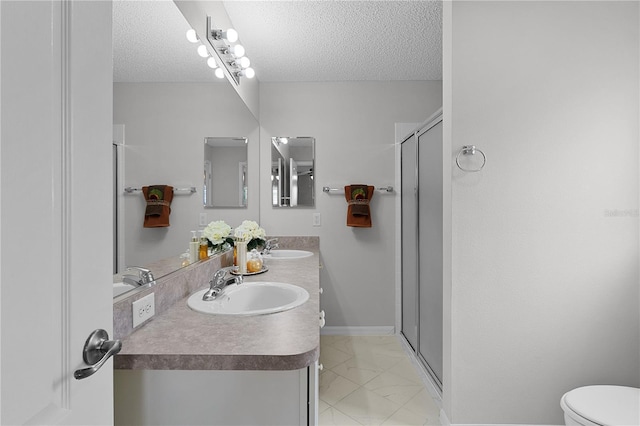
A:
<point x="158" y="198"/>
<point x="358" y="197"/>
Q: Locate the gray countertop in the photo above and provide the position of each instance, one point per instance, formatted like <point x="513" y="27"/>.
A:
<point x="182" y="339"/>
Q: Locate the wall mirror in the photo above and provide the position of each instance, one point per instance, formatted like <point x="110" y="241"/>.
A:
<point x="292" y="171"/>
<point x="225" y="172"/>
<point x="167" y="102"/>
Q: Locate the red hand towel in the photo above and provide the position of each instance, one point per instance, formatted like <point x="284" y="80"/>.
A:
<point x="158" y="198"/>
<point x="358" y="197"/>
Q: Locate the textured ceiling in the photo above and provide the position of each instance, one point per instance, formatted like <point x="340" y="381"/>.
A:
<point x="149" y="44"/>
<point x="287" y="40"/>
<point x="341" y="40"/>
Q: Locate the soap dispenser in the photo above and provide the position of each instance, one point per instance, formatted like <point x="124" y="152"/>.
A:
<point x="185" y="257"/>
<point x="193" y="247"/>
<point x="254" y="262"/>
<point x="204" y="247"/>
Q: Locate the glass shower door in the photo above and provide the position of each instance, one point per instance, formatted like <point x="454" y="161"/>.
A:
<point x="430" y="160"/>
<point x="409" y="241"/>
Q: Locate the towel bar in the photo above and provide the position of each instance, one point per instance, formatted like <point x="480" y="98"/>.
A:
<point x="189" y="190"/>
<point x="341" y="190"/>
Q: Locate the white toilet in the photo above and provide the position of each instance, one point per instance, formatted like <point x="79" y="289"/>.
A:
<point x="602" y="405"/>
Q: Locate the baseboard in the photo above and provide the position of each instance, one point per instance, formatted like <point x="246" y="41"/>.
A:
<point x="444" y="421"/>
<point x="357" y="331"/>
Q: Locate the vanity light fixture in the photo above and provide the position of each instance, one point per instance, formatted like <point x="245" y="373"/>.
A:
<point x="232" y="57"/>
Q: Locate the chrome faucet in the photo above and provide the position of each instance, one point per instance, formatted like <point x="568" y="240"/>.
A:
<point x="270" y="245"/>
<point x="144" y="277"/>
<point x="219" y="282"/>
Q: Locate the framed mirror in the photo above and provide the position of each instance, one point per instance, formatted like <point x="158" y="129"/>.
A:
<point x="292" y="171"/>
<point x="225" y="172"/>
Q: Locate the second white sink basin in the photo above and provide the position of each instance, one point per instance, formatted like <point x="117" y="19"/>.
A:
<point x="121" y="288"/>
<point x="288" y="254"/>
<point x="254" y="298"/>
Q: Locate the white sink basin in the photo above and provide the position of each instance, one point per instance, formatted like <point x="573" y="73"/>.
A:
<point x="288" y="254"/>
<point x="121" y="288"/>
<point x="254" y="298"/>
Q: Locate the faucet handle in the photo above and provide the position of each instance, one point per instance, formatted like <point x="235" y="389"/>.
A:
<point x="220" y="273"/>
<point x="140" y="269"/>
<point x="145" y="274"/>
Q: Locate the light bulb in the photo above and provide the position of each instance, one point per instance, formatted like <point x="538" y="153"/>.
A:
<point x="238" y="50"/>
<point x="249" y="73"/>
<point x="202" y="51"/>
<point x="212" y="62"/>
<point x="244" y="62"/>
<point x="231" y="35"/>
<point x="219" y="73"/>
<point x="192" y="36"/>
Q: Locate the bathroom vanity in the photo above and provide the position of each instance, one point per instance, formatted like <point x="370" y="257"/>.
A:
<point x="185" y="367"/>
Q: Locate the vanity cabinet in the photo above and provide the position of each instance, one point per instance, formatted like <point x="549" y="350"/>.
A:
<point x="422" y="244"/>
<point x="216" y="397"/>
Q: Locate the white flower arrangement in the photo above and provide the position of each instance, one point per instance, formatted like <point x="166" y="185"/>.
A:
<point x="251" y="232"/>
<point x="218" y="233"/>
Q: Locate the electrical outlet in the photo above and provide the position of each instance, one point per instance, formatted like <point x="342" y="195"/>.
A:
<point x="143" y="309"/>
<point x="203" y="219"/>
<point x="317" y="219"/>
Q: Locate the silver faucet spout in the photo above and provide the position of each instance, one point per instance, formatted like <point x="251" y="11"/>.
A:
<point x="218" y="283"/>
<point x="270" y="245"/>
<point x="144" y="276"/>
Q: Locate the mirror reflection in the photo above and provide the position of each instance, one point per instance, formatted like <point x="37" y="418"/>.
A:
<point x="292" y="171"/>
<point x="225" y="172"/>
<point x="166" y="102"/>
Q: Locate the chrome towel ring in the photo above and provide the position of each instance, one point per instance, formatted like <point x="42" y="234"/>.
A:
<point x="470" y="150"/>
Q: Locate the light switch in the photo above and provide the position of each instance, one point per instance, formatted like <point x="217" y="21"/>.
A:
<point x="317" y="219"/>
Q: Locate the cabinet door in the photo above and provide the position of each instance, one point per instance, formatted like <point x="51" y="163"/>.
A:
<point x="430" y="242"/>
<point x="409" y="241"/>
<point x="211" y="397"/>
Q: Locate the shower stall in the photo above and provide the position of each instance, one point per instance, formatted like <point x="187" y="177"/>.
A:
<point x="422" y="244"/>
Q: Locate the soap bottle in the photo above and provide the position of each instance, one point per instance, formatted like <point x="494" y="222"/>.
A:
<point x="186" y="256"/>
<point x="254" y="262"/>
<point x="241" y="247"/>
<point x="193" y="248"/>
<point x="204" y="247"/>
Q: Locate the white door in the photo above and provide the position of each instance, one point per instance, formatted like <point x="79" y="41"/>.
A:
<point x="55" y="209"/>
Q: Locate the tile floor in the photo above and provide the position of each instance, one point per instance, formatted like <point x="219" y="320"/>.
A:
<point x="369" y="380"/>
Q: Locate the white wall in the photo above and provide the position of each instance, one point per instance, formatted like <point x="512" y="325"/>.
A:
<point x="544" y="292"/>
<point x="353" y="123"/>
<point x="165" y="127"/>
